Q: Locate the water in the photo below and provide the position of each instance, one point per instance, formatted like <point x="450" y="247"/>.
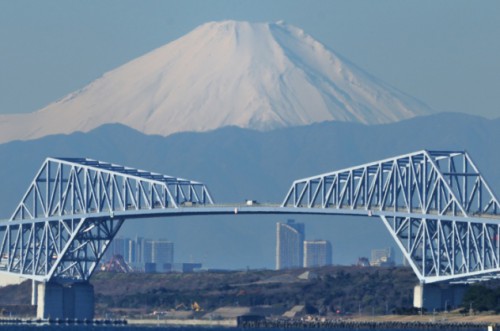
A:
<point x="176" y="328"/>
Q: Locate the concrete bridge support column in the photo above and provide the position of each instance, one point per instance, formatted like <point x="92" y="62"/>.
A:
<point x="438" y="297"/>
<point x="83" y="296"/>
<point x="65" y="301"/>
<point x="34" y="293"/>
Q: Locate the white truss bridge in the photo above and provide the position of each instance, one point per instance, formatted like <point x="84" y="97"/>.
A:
<point x="436" y="205"/>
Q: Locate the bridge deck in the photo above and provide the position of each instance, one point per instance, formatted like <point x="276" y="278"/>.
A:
<point x="260" y="208"/>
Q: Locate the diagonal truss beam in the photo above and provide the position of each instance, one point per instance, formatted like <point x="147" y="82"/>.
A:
<point x="426" y="182"/>
<point x="71" y="212"/>
<point x="68" y="187"/>
<point x="436" y="205"/>
<point x="444" y="250"/>
<point x="62" y="249"/>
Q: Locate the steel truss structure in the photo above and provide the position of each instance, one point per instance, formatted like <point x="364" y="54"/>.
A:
<point x="74" y="208"/>
<point x="436" y="205"/>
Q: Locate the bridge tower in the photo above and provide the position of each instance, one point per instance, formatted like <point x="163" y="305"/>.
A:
<point x="68" y="216"/>
<point x="436" y="205"/>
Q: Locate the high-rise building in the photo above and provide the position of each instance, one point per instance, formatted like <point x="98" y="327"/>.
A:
<point x="163" y="254"/>
<point x="132" y="250"/>
<point x="289" y="245"/>
<point x="137" y="256"/>
<point x="383" y="257"/>
<point x="121" y="247"/>
<point x="317" y="253"/>
<point x="147" y="251"/>
<point x="139" y="250"/>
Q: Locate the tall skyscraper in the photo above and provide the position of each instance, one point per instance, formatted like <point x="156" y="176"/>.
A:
<point x="139" y="251"/>
<point x="121" y="247"/>
<point x="317" y="253"/>
<point x="147" y="251"/>
<point x="289" y="245"/>
<point x="163" y="253"/>
<point x="131" y="252"/>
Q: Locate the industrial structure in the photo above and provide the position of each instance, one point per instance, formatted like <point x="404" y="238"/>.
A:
<point x="382" y="257"/>
<point x="437" y="206"/>
<point x="141" y="252"/>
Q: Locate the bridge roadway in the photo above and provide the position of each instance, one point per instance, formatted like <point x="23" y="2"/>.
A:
<point x="258" y="208"/>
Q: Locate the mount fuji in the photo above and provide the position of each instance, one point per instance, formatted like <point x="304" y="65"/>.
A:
<point x="261" y="76"/>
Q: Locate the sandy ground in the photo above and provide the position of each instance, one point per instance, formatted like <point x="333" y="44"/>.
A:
<point x="442" y="317"/>
<point x="186" y="322"/>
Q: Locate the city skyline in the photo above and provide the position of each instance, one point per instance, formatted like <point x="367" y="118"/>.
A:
<point x="140" y="253"/>
<point x="294" y="251"/>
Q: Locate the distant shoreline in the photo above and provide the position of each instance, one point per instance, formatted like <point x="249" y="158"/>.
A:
<point x="442" y="321"/>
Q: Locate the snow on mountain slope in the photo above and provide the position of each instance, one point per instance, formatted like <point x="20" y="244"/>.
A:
<point x="253" y="75"/>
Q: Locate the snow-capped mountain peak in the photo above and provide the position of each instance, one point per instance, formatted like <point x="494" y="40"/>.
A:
<point x="253" y="75"/>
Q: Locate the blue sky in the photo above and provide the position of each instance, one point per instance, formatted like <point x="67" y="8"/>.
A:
<point x="444" y="52"/>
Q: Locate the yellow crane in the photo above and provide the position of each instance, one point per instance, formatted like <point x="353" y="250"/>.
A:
<point x="196" y="307"/>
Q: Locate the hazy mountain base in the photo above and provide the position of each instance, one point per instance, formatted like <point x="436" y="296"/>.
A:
<point x="239" y="164"/>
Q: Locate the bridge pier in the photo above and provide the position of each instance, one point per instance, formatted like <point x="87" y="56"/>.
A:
<point x="34" y="292"/>
<point x="438" y="297"/>
<point x="73" y="301"/>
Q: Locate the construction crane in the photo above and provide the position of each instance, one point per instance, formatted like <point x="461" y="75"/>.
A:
<point x="196" y="307"/>
<point x="117" y="264"/>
